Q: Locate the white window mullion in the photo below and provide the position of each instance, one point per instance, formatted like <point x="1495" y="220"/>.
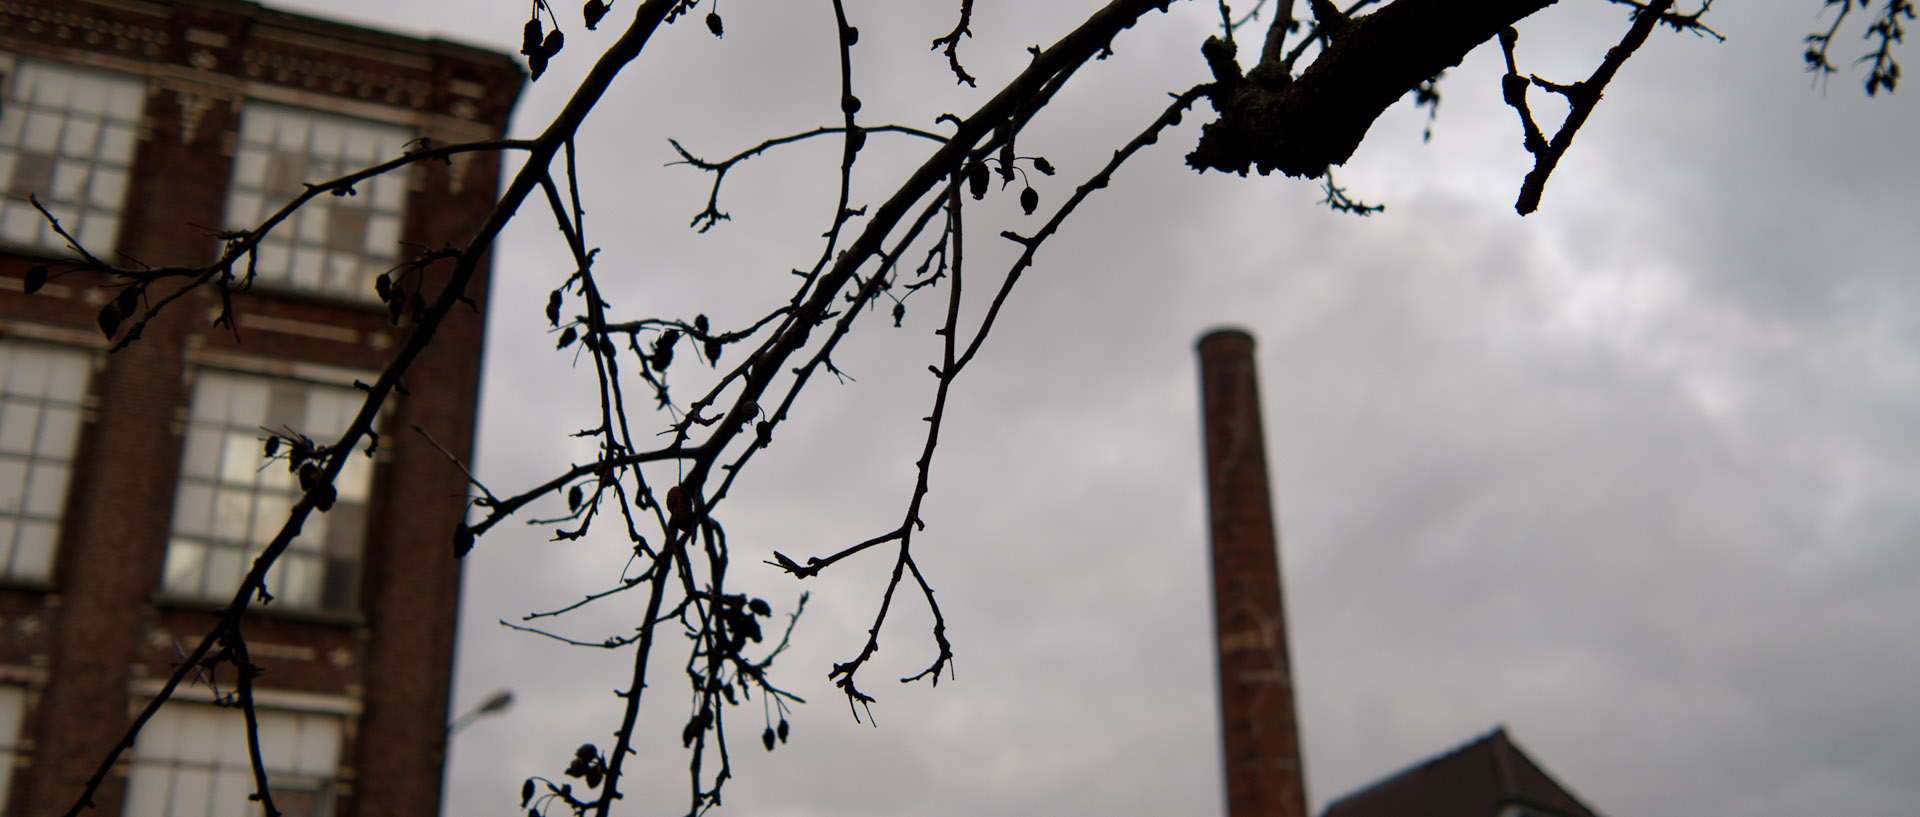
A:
<point x="66" y="138"/>
<point x="41" y="389"/>
<point x="335" y="245"/>
<point x="232" y="499"/>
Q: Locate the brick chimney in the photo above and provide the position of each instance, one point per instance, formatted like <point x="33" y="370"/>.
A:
<point x="1263" y="768"/>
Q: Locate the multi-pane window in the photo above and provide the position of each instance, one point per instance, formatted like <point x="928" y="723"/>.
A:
<point x="66" y="137"/>
<point x="334" y="244"/>
<point x="233" y="499"/>
<point x="191" y="760"/>
<point x="40" y="392"/>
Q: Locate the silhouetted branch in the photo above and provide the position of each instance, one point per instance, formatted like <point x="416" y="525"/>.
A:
<point x="1268" y="118"/>
<point x="1885" y="27"/>
<point x="1581" y="97"/>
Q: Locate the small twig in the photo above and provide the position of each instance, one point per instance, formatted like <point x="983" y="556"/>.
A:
<point x="951" y="41"/>
<point x="491" y="499"/>
<point x="612" y="642"/>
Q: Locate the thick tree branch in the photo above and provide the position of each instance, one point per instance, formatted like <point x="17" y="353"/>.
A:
<point x="1318" y="119"/>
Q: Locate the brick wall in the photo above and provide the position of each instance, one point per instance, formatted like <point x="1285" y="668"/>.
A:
<point x="89" y="644"/>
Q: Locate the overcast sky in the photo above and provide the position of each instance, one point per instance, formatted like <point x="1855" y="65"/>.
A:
<point x="1637" y="476"/>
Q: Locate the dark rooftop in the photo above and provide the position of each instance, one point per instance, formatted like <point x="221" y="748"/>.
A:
<point x="1479" y="779"/>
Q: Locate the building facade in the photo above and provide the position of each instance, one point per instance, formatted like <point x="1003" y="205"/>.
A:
<point x="133" y="489"/>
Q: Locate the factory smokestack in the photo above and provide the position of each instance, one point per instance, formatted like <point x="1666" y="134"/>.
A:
<point x="1263" y="770"/>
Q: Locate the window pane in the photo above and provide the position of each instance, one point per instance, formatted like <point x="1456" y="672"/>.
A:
<point x="343" y="274"/>
<point x="116" y="141"/>
<point x="199" y="740"/>
<point x="13" y="485"/>
<point x="306" y="266"/>
<point x="225" y="567"/>
<point x="300" y="579"/>
<point x="107" y="190"/>
<point x="201" y="458"/>
<point x="319" y="750"/>
<point x="186" y="569"/>
<point x="18" y="422"/>
<point x="383" y="231"/>
<point x="330" y="411"/>
<point x="247" y="406"/>
<point x="193" y="509"/>
<point x="20" y="224"/>
<point x="11" y="120"/>
<point x="279" y="735"/>
<point x="88" y="94"/>
<point x="230" y="790"/>
<point x="78" y="138"/>
<point x="58" y="425"/>
<point x="33" y="551"/>
<point x="46" y="489"/>
<point x="250" y="170"/>
<point x="274" y="259"/>
<point x="39" y="429"/>
<point x="233" y="732"/>
<point x="231" y="514"/>
<point x="241" y="457"/>
<point x="146" y="794"/>
<point x="328" y="136"/>
<point x="192" y="792"/>
<point x="287" y="408"/>
<point x="29" y="373"/>
<point x="98" y="229"/>
<point x="123" y="101"/>
<point x="69" y="184"/>
<point x="42" y="133"/>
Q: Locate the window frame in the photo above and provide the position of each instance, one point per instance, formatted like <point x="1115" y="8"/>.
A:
<point x="48" y="514"/>
<point x="91" y="150"/>
<point x="332" y="546"/>
<point x="279" y="148"/>
<point x="217" y="759"/>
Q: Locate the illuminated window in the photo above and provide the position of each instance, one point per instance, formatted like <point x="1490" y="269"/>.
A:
<point x="191" y="761"/>
<point x="232" y="500"/>
<point x="67" y="137"/>
<point x="334" y="244"/>
<point x="40" y="392"/>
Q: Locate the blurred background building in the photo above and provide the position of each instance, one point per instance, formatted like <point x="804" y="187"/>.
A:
<point x="1490" y="777"/>
<point x="1262" y="756"/>
<point x="133" y="491"/>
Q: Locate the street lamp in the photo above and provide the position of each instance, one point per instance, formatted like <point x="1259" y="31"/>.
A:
<point x="494" y="704"/>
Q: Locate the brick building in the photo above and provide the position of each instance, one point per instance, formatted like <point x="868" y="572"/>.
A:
<point x="132" y="490"/>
